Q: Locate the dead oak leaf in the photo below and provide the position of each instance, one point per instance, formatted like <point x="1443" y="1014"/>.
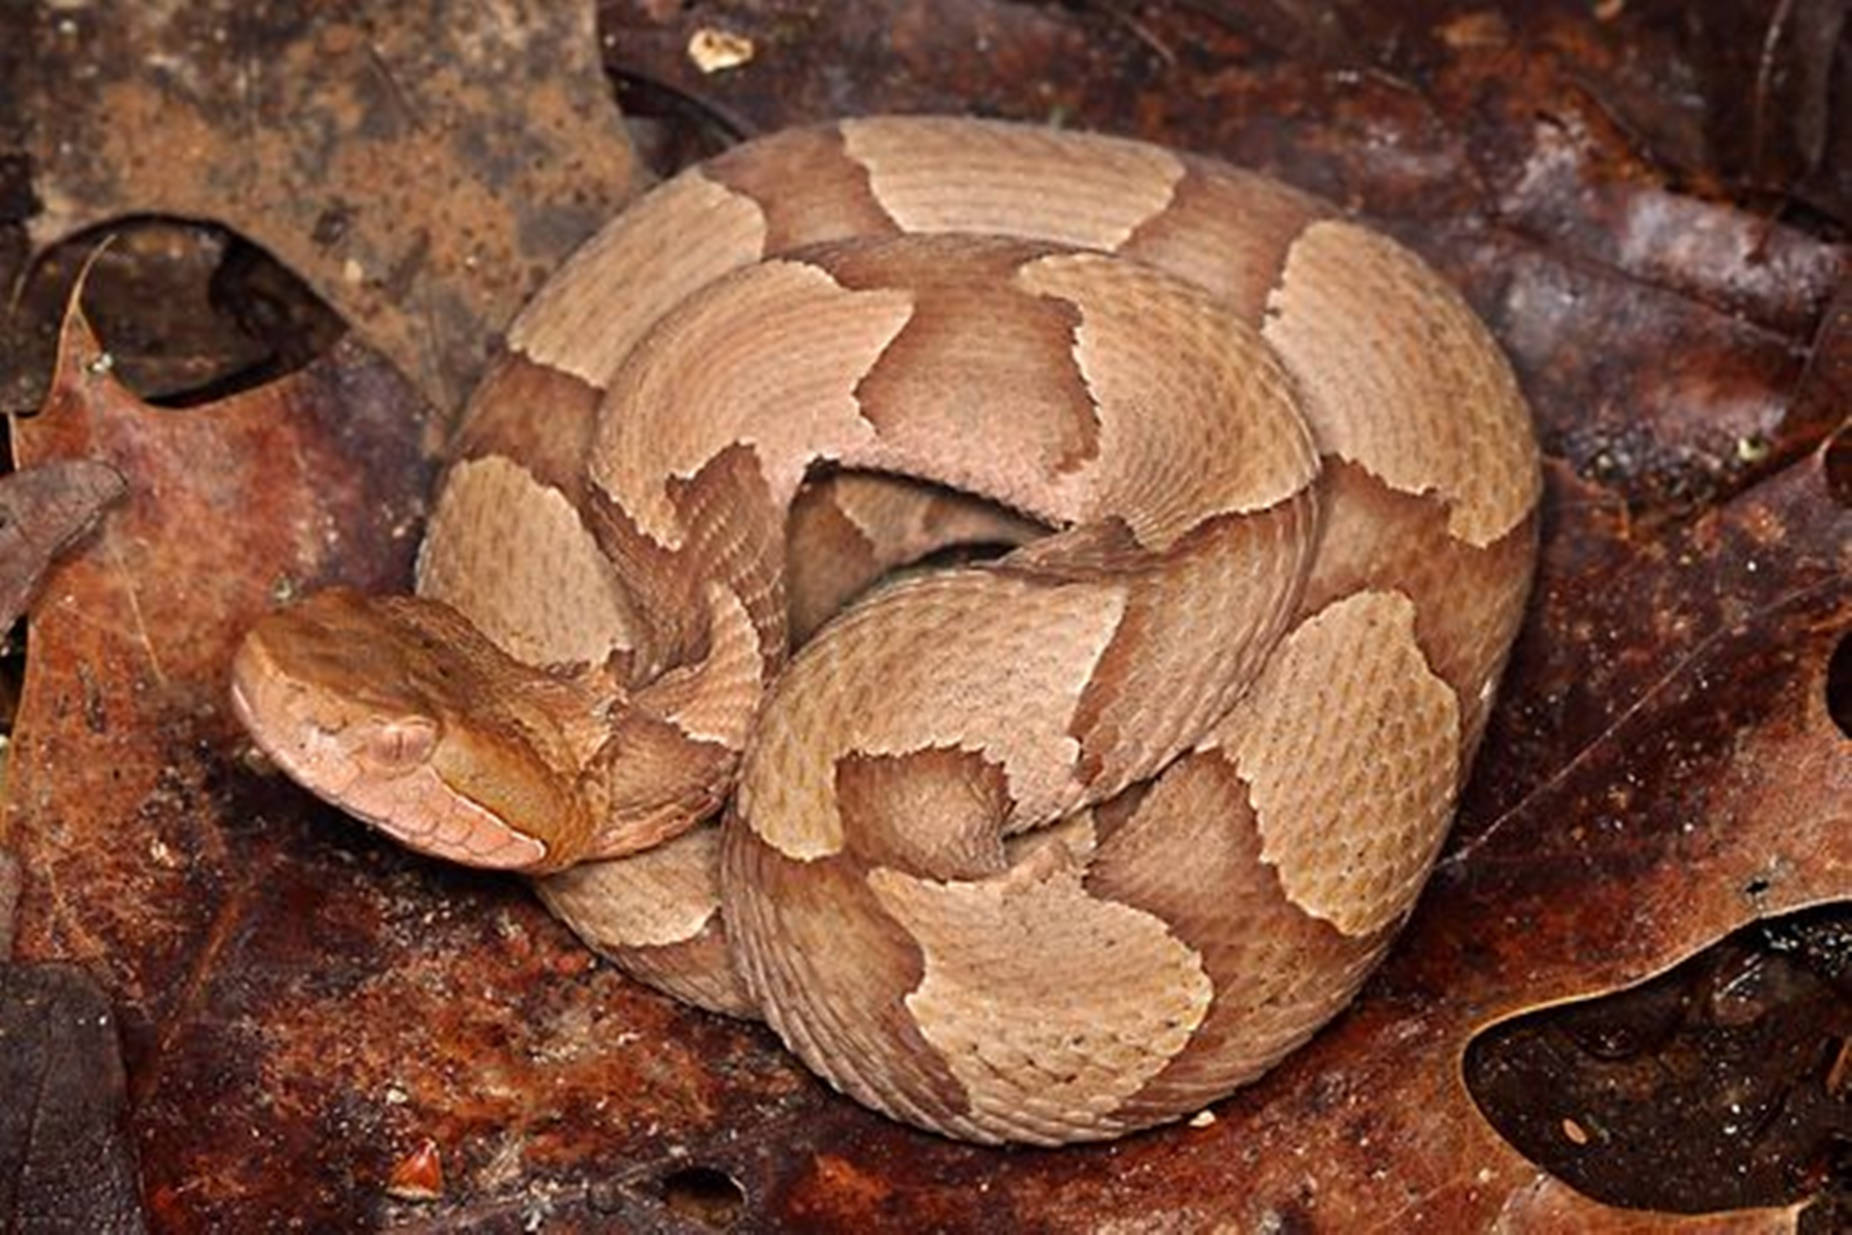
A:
<point x="422" y="166"/>
<point x="43" y="511"/>
<point x="125" y="685"/>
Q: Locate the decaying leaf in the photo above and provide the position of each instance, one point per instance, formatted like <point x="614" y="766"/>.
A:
<point x="371" y="147"/>
<point x="123" y="733"/>
<point x="65" y="1161"/>
<point x="44" y="510"/>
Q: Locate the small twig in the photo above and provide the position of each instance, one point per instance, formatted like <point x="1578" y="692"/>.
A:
<point x="1128" y="17"/>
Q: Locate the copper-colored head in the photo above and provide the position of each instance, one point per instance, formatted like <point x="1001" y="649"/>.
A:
<point x="375" y="705"/>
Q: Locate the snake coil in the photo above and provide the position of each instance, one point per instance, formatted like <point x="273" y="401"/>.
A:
<point x="1045" y="848"/>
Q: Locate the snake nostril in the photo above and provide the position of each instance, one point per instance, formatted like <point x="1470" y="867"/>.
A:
<point x="705" y="1195"/>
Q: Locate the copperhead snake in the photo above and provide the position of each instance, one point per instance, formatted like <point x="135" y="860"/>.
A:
<point x="1043" y="848"/>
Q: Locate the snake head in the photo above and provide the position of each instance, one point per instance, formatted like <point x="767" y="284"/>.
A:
<point x="401" y="713"/>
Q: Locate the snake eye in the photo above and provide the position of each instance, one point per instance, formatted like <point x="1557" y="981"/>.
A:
<point x="399" y="745"/>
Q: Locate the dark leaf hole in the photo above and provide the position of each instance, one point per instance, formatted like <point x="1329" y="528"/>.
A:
<point x="1723" y="1083"/>
<point x="1839" y="685"/>
<point x="189" y="313"/>
<point x="670" y="128"/>
<point x="704" y="1195"/>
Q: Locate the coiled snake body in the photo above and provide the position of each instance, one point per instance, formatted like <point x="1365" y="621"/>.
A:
<point x="1045" y="848"/>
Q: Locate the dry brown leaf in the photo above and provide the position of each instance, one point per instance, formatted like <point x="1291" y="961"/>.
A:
<point x="369" y="146"/>
<point x="43" y="511"/>
<point x="124" y="730"/>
